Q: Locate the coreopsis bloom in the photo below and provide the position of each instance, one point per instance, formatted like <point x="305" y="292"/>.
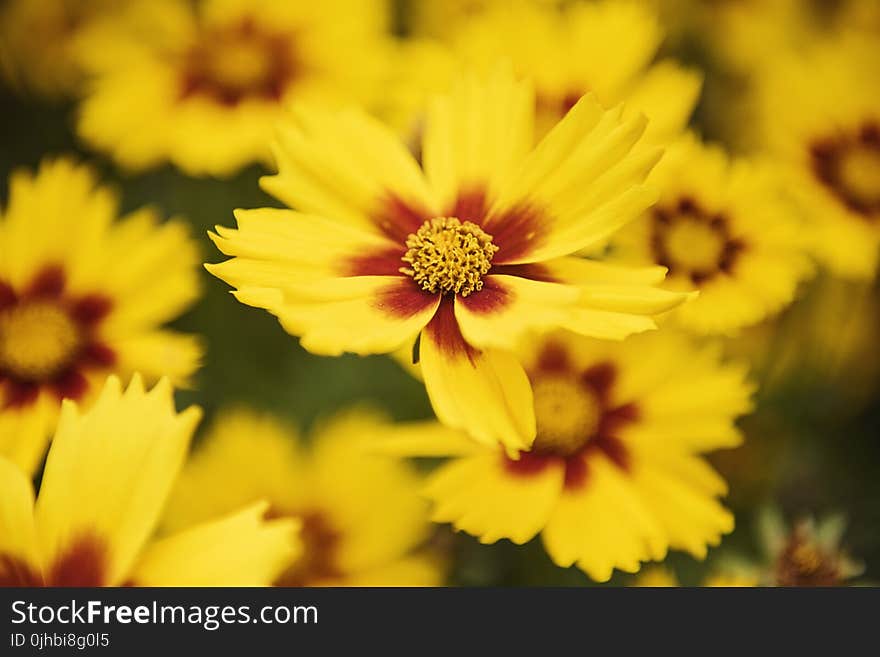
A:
<point x="829" y="145"/>
<point x="82" y="296"/>
<point x="606" y="47"/>
<point x="205" y="85"/>
<point x="107" y="477"/>
<point x="722" y="228"/>
<point x="362" y="517"/>
<point x="615" y="476"/>
<point x="460" y="257"/>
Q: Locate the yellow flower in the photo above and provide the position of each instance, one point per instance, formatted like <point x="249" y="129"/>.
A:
<point x="722" y="228"/>
<point x="605" y="47"/>
<point x="107" y="478"/>
<point x="469" y="253"/>
<point x="204" y="88"/>
<point x="82" y="296"/>
<point x="829" y="145"/>
<point x="39" y="40"/>
<point x="362" y="517"/>
<point x="615" y="476"/>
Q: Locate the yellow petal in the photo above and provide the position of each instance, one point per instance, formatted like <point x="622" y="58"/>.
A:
<point x="508" y="306"/>
<point x="362" y="315"/>
<point x="604" y="524"/>
<point x="108" y="475"/>
<point x="241" y="549"/>
<point x="484" y="496"/>
<point x="485" y="393"/>
<point x="19" y="557"/>
<point x="477" y="135"/>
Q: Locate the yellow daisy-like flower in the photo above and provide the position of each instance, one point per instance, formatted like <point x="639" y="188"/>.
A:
<point x="107" y="477"/>
<point x="39" y="40"/>
<point x="722" y="228"/>
<point x="362" y="517"/>
<point x="615" y="476"/>
<point x="829" y="145"/>
<point x="469" y="252"/>
<point x="205" y="86"/>
<point x="82" y="296"/>
<point x="605" y="47"/>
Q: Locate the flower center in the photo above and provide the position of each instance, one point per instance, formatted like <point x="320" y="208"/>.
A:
<point x="860" y="174"/>
<point x="237" y="62"/>
<point x="803" y="563"/>
<point x="694" y="245"/>
<point x="37" y="340"/>
<point x="567" y="414"/>
<point x="849" y="165"/>
<point x="318" y="561"/>
<point x="242" y="65"/>
<point x="692" y="242"/>
<point x="447" y="255"/>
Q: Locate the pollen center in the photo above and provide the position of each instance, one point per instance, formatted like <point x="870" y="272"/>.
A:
<point x="567" y="414"/>
<point x="694" y="245"/>
<point x="243" y="65"/>
<point x="448" y="255"/>
<point x="860" y="174"/>
<point x="37" y="340"/>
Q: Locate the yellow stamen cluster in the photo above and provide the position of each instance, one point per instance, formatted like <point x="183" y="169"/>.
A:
<point x="448" y="255"/>
<point x="567" y="414"/>
<point x="37" y="340"/>
<point x="694" y="245"/>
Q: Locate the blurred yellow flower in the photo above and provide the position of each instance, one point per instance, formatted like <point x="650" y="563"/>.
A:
<point x="39" y="41"/>
<point x="469" y="253"/>
<point x="81" y="296"/>
<point x="829" y="145"/>
<point x="107" y="478"/>
<point x="605" y="47"/>
<point x="615" y="476"/>
<point x="204" y="87"/>
<point x="721" y="227"/>
<point x="362" y="517"/>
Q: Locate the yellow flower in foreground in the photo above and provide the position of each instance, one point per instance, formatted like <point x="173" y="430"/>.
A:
<point x="205" y="86"/>
<point x="81" y="296"/>
<point x="107" y="478"/>
<point x="604" y="47"/>
<point x="615" y="476"/>
<point x="362" y="517"/>
<point x="722" y="228"/>
<point x="829" y="145"/>
<point x="469" y="253"/>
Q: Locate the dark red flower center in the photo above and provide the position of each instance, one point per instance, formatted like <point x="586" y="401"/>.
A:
<point x="576" y="416"/>
<point x="48" y="338"/>
<point x="849" y="165"/>
<point x="319" y="561"/>
<point x="240" y="61"/>
<point x="693" y="242"/>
